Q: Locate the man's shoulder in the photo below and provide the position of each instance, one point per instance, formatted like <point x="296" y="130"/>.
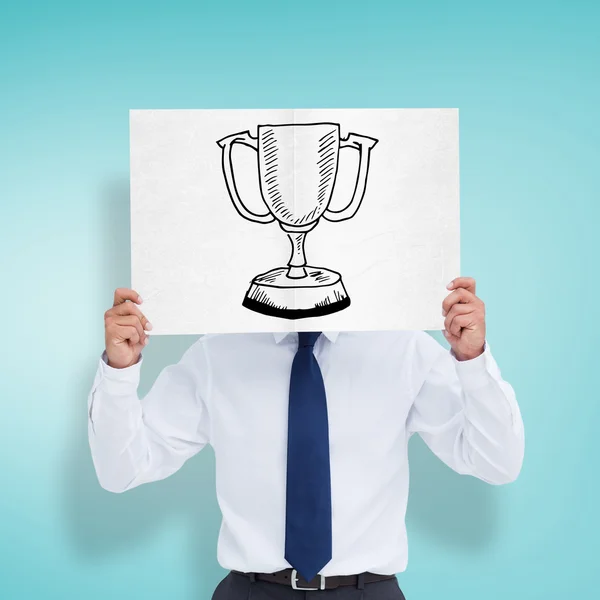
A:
<point x="216" y="342"/>
<point x="396" y="344"/>
<point x="230" y="341"/>
<point x="261" y="337"/>
<point x="401" y="337"/>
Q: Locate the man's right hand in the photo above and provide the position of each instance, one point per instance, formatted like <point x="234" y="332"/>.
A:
<point x="125" y="329"/>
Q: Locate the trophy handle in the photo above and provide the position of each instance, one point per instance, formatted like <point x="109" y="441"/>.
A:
<point x="226" y="145"/>
<point x="364" y="145"/>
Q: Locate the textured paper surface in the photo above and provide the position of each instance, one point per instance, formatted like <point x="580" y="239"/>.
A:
<point x="194" y="256"/>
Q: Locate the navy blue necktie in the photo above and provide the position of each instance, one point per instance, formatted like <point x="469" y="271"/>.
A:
<point x="308" y="491"/>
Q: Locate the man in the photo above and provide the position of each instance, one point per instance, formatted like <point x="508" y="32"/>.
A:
<point x="310" y="433"/>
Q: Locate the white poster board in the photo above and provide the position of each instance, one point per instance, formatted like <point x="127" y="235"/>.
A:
<point x="294" y="220"/>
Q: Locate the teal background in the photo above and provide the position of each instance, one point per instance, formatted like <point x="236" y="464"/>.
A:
<point x="525" y="78"/>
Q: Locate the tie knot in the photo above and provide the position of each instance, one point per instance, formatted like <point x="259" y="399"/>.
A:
<point x="307" y="339"/>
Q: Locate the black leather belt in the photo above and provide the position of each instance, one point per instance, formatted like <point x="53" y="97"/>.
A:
<point x="292" y="578"/>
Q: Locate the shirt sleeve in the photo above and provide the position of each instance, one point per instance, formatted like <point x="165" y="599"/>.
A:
<point x="135" y="441"/>
<point x="467" y="414"/>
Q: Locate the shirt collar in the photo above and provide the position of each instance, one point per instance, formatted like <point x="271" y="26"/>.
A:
<point x="281" y="335"/>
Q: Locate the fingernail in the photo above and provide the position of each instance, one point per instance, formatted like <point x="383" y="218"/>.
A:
<point x="444" y="313"/>
<point x="146" y="340"/>
<point x="450" y="285"/>
<point x="445" y="333"/>
<point x="148" y="326"/>
<point x="140" y="299"/>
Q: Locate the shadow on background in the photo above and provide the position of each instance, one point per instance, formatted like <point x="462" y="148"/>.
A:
<point x="101" y="523"/>
<point x="456" y="511"/>
<point x="453" y="510"/>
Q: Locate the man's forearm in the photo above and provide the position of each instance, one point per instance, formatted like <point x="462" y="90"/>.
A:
<point x="115" y="428"/>
<point x="493" y="429"/>
<point x="135" y="441"/>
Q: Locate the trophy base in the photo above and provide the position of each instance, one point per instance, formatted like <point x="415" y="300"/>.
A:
<point x="318" y="294"/>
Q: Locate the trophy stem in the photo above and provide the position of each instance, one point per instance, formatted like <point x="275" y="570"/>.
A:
<point x="297" y="262"/>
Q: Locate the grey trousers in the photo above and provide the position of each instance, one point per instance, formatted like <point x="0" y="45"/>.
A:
<point x="239" y="587"/>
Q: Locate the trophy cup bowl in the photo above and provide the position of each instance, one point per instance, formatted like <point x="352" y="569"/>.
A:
<point x="297" y="168"/>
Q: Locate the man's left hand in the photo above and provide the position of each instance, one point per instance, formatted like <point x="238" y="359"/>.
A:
<point x="465" y="319"/>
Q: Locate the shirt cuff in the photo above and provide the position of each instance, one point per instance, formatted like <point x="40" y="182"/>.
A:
<point x="119" y="381"/>
<point x="474" y="373"/>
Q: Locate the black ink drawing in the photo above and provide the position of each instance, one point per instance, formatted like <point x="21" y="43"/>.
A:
<point x="297" y="166"/>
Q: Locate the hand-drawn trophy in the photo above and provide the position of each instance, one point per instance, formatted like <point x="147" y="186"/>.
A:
<point x="297" y="166"/>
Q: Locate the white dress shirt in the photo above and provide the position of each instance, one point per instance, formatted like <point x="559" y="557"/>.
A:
<point x="231" y="391"/>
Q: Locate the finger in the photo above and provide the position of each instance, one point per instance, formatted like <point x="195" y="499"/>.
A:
<point x="460" y="322"/>
<point x="461" y="308"/>
<point x="129" y="308"/>
<point x="456" y="310"/>
<point x="131" y="321"/>
<point x="458" y="295"/>
<point x="127" y="333"/>
<point x="123" y="294"/>
<point x="117" y="334"/>
<point x="468" y="283"/>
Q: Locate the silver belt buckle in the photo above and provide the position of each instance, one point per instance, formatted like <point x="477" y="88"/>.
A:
<point x="295" y="579"/>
